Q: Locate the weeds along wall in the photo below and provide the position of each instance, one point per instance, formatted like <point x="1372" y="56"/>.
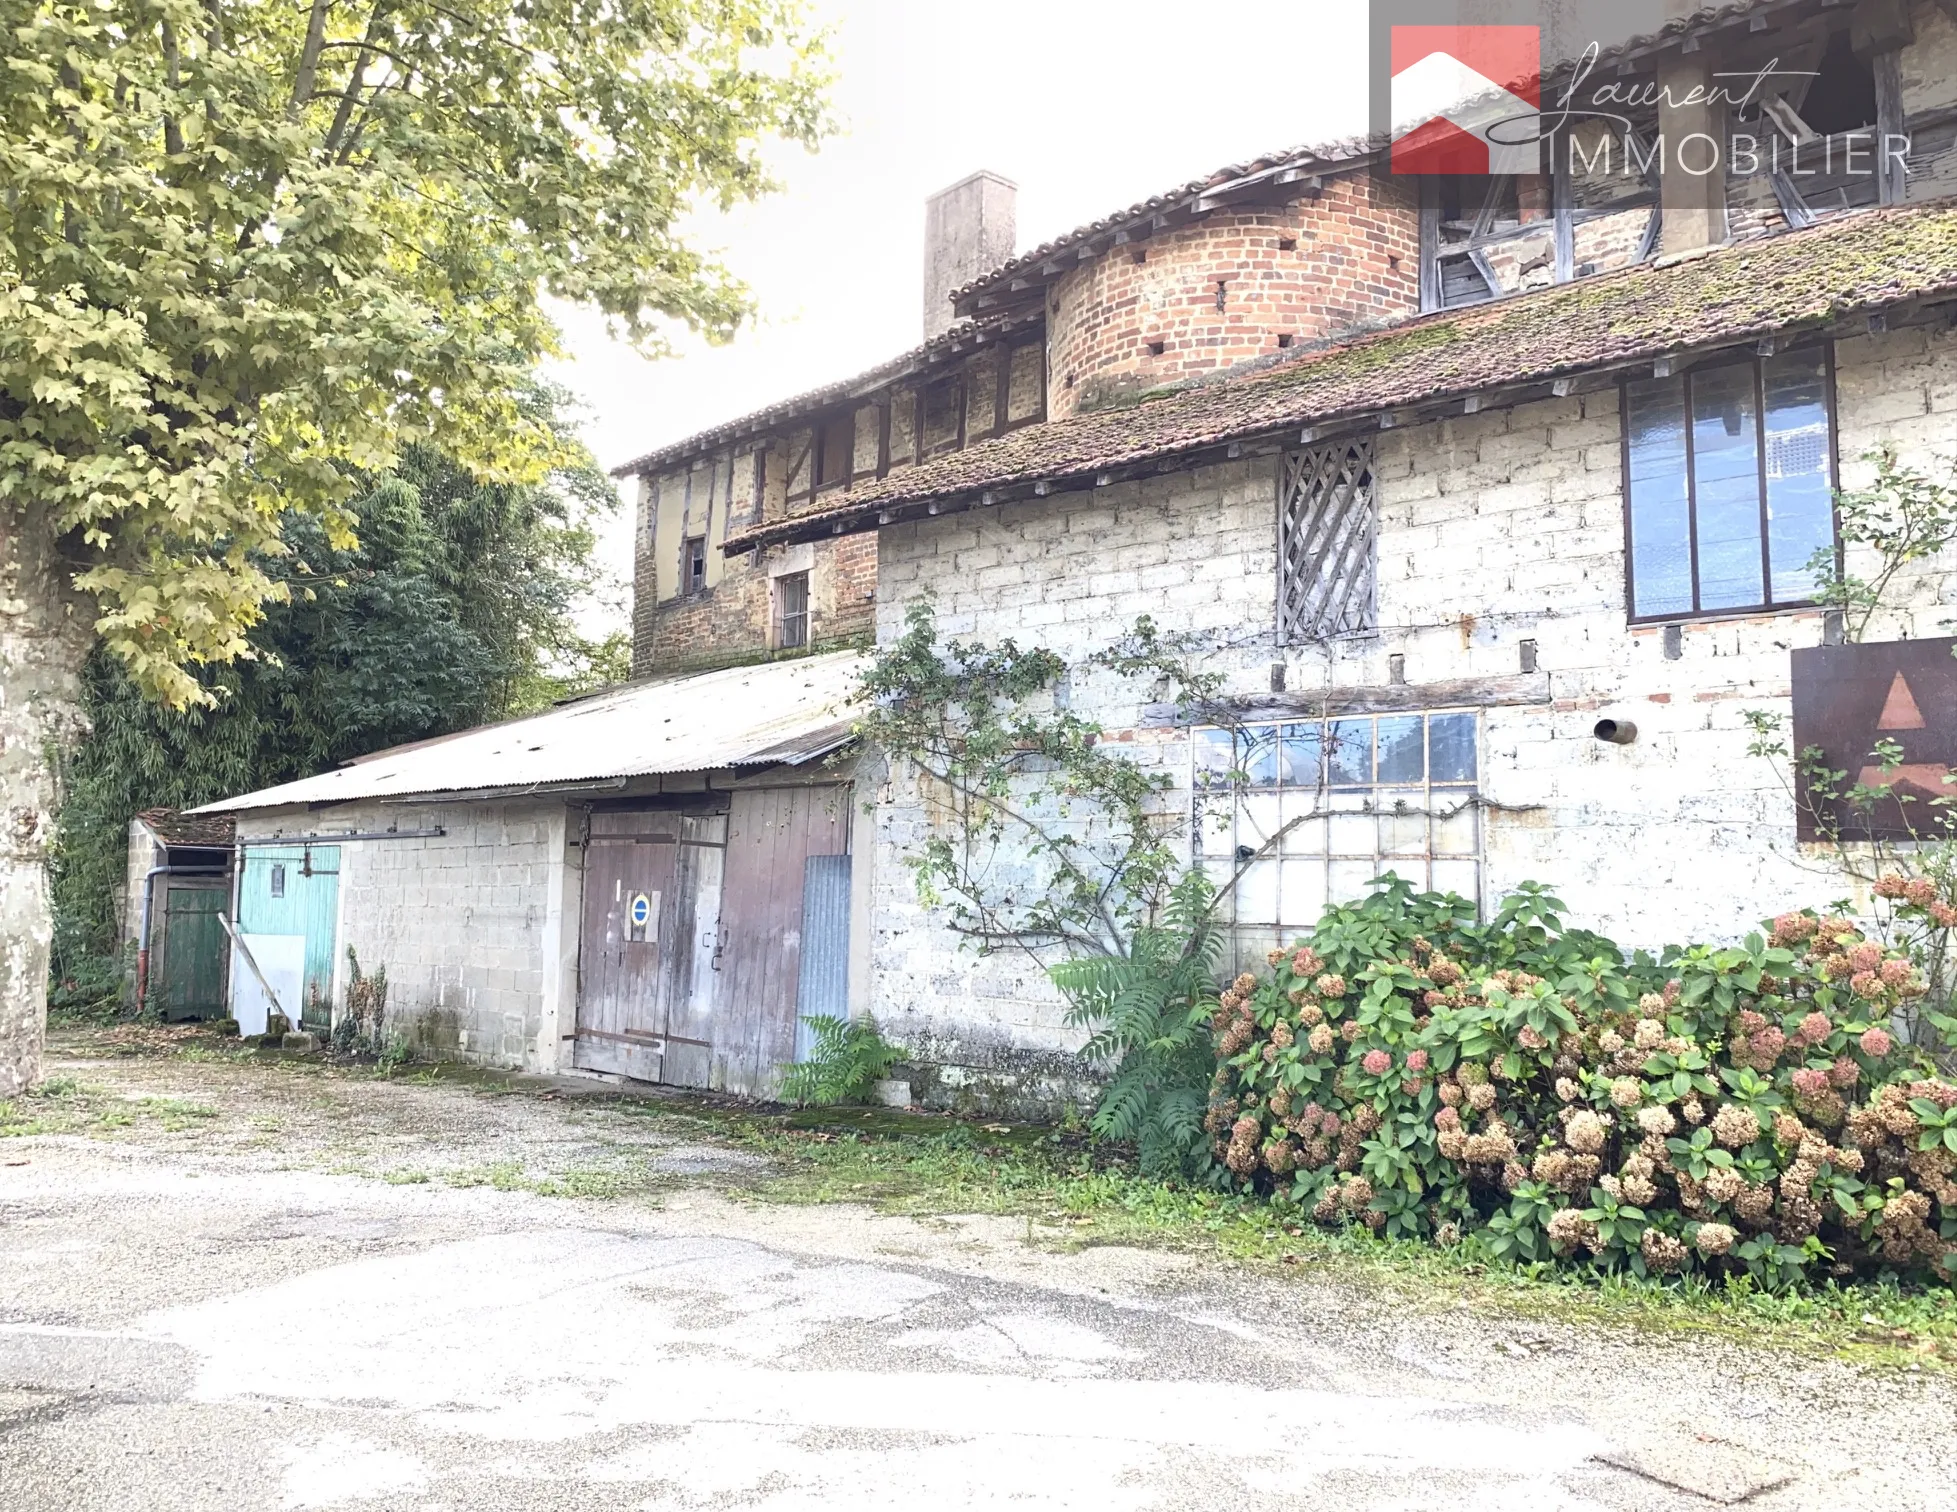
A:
<point x="1495" y="529"/>
<point x="477" y="926"/>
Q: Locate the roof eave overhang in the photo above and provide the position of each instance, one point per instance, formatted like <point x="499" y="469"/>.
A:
<point x="1264" y="438"/>
<point x="999" y="327"/>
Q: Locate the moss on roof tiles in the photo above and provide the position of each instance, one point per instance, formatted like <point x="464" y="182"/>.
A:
<point x="1862" y="261"/>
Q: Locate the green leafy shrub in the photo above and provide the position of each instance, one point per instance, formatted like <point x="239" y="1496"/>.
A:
<point x="1532" y="1090"/>
<point x="848" y="1058"/>
<point x="1149" y="1015"/>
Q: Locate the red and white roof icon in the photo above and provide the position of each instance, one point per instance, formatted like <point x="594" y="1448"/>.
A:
<point x="1466" y="99"/>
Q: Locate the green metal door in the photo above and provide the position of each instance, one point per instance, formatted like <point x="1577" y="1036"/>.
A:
<point x="189" y="954"/>
<point x="295" y="890"/>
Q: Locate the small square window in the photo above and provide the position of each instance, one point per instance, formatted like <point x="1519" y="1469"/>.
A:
<point x="693" y="563"/>
<point x="792" y="611"/>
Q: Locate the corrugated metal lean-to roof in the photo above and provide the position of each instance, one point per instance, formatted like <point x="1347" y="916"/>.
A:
<point x="788" y="712"/>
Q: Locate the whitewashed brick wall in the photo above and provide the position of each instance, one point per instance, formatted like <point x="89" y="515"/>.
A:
<point x="1494" y="528"/>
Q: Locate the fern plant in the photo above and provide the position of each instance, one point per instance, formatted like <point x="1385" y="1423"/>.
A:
<point x="847" y="1059"/>
<point x="1149" y="1016"/>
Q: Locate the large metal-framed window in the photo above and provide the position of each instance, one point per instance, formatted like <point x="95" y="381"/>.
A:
<point x="1729" y="479"/>
<point x="1313" y="811"/>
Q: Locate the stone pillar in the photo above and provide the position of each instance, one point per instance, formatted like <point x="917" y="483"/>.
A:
<point x="968" y="230"/>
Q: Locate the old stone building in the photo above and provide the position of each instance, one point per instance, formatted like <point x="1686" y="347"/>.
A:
<point x="1491" y="499"/>
<point x="1493" y="503"/>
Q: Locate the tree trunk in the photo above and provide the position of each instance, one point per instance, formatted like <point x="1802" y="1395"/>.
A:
<point x="46" y="628"/>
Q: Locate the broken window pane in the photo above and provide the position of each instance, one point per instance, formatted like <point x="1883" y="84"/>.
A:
<point x="1215" y="755"/>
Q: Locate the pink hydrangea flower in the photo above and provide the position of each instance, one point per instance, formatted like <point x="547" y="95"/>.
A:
<point x="1810" y="1082"/>
<point x="1877" y="1042"/>
<point x="1815" y="1028"/>
<point x="1417" y="1061"/>
<point x="1377" y="1062"/>
<point x="1844" y="1072"/>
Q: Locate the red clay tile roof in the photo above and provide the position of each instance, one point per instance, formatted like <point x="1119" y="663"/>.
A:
<point x="1864" y="261"/>
<point x="1330" y="157"/>
<point x="1339" y="155"/>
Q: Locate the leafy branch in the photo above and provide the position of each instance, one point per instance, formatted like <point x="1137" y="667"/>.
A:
<point x="1902" y="517"/>
<point x="1043" y="835"/>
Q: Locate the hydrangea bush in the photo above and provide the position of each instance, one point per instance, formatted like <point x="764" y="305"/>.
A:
<point x="1533" y="1090"/>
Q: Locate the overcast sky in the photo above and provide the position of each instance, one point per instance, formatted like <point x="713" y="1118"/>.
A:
<point x="1087" y="105"/>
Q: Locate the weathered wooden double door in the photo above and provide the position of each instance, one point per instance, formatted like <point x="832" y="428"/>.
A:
<point x="690" y="954"/>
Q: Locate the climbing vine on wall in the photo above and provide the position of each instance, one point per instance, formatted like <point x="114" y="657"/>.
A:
<point x="1044" y="835"/>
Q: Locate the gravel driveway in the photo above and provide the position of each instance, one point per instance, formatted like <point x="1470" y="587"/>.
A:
<point x="262" y="1288"/>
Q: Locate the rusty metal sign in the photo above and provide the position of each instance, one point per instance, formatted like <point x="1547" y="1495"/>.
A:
<point x="1882" y="717"/>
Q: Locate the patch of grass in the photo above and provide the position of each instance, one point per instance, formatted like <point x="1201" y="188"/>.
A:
<point x="56" y="1086"/>
<point x="503" y="1175"/>
<point x="176" y="1113"/>
<point x="600" y="1185"/>
<point x="1072" y="1196"/>
<point x="17" y="1123"/>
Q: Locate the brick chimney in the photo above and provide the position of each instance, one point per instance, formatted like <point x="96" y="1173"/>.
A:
<point x="968" y="230"/>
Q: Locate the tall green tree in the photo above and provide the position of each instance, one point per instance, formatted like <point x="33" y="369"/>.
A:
<point x="459" y="605"/>
<point x="250" y="249"/>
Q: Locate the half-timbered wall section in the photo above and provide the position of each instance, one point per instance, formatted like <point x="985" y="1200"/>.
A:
<point x="967" y="386"/>
<point x="1859" y="108"/>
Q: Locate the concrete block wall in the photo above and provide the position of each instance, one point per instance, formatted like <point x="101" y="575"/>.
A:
<point x="477" y="927"/>
<point x="1494" y="529"/>
<point x="1353" y="261"/>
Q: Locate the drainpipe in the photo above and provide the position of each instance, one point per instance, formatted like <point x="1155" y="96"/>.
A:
<point x="142" y="930"/>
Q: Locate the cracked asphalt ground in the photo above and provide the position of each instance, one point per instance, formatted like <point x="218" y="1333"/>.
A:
<point x="251" y="1287"/>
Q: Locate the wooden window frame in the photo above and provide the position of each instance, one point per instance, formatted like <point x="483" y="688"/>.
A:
<point x="781" y="616"/>
<point x="1327" y="538"/>
<point x="692" y="547"/>
<point x="1735" y="611"/>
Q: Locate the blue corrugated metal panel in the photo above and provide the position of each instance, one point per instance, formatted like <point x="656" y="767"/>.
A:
<point x="823" y="987"/>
